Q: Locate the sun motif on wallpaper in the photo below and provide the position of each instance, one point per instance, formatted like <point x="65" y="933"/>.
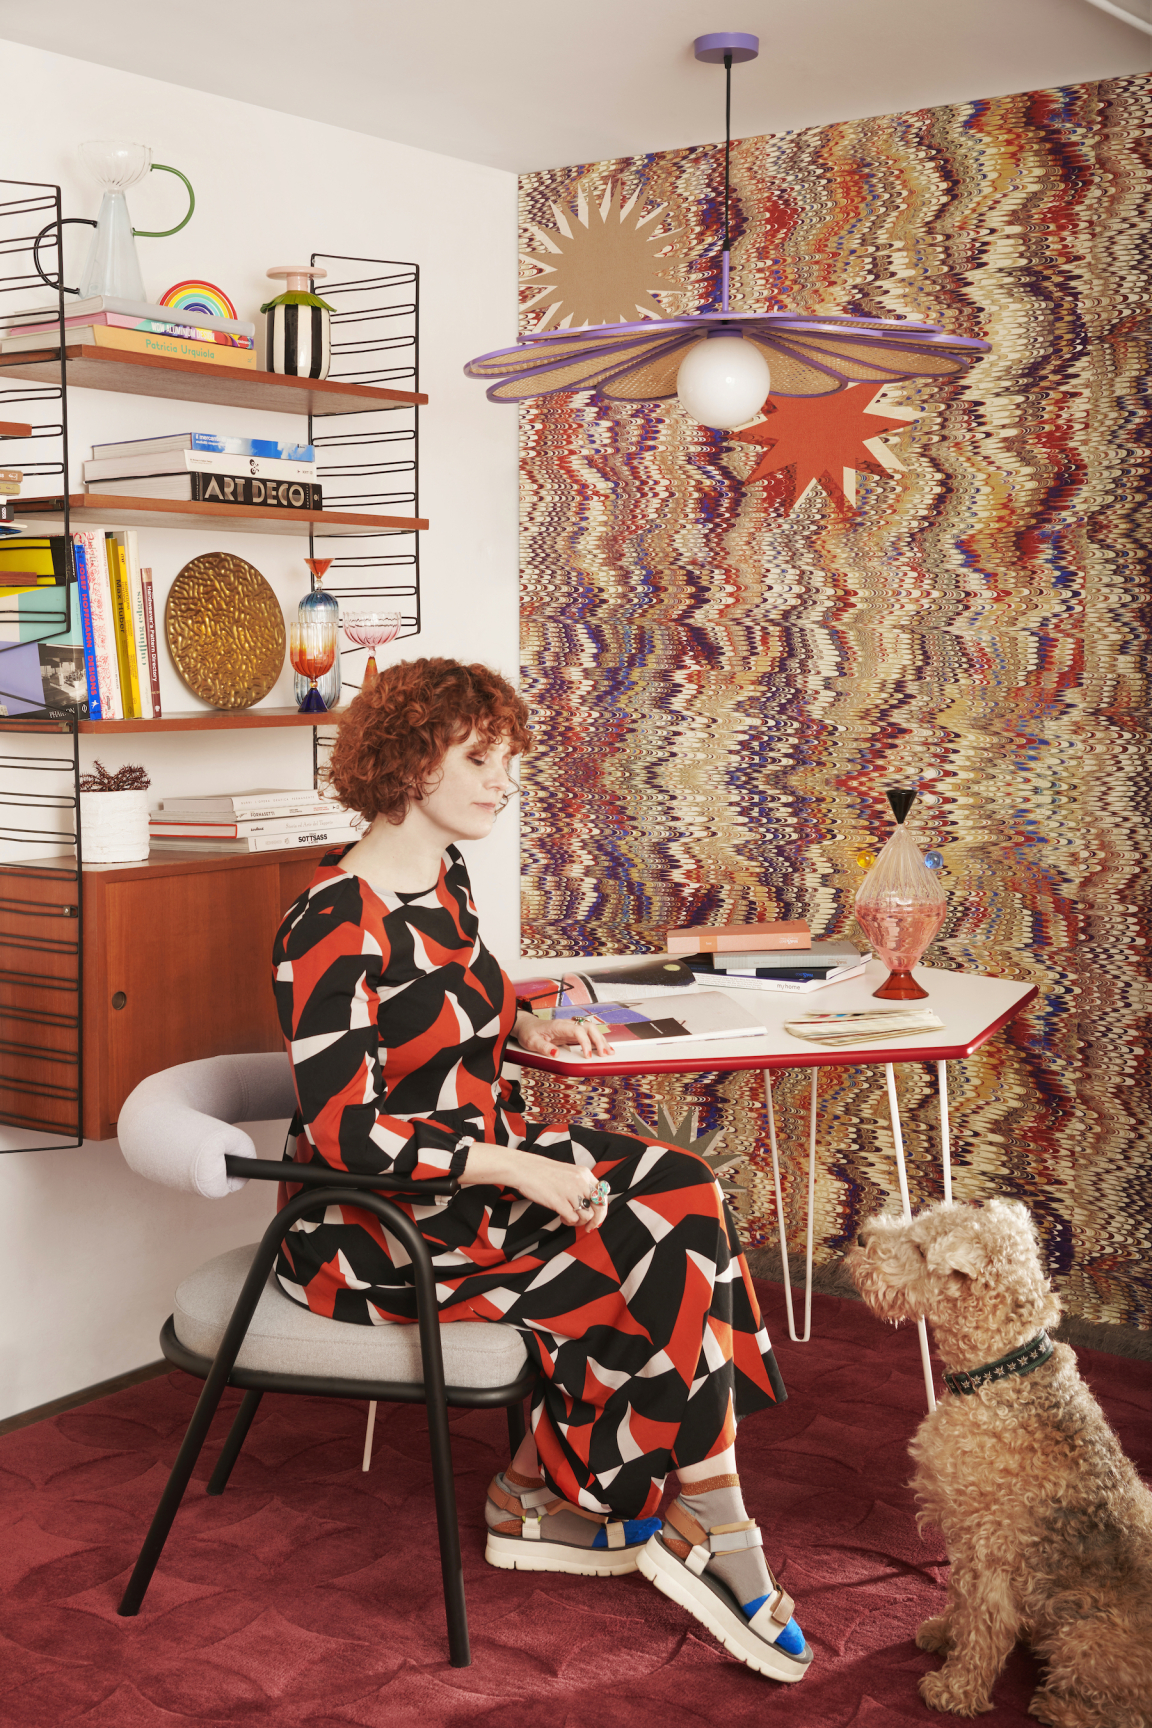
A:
<point x="827" y="440"/>
<point x="598" y="266"/>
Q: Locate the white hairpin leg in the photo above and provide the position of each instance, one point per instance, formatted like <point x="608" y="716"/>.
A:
<point x="780" y="1210"/>
<point x="902" y="1178"/>
<point x="367" y="1464"/>
<point x="945" y="1130"/>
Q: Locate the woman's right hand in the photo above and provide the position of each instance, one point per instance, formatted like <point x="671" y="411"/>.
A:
<point x="545" y="1181"/>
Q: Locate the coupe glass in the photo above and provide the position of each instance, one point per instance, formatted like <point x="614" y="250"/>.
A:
<point x="371" y="630"/>
<point x="312" y="647"/>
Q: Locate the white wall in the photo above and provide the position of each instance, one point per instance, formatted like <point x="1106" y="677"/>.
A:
<point x="94" y="1253"/>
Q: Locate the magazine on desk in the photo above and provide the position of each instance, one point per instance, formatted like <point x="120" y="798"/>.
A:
<point x="697" y="1014"/>
<point x="595" y="980"/>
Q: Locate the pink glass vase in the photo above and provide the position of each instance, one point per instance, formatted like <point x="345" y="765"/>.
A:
<point x="900" y="906"/>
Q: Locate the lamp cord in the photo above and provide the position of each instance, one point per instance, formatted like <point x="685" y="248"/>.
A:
<point x="727" y="175"/>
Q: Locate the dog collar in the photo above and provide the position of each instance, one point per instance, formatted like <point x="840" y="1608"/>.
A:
<point x="1028" y="1357"/>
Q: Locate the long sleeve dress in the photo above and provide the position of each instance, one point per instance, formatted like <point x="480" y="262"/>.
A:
<point x="646" y="1333"/>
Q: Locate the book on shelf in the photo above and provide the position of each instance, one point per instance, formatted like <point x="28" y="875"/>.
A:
<point x="336" y="834"/>
<point x="868" y="1026"/>
<point x="798" y="983"/>
<point x="218" y="489"/>
<point x="117" y="553"/>
<point x="124" y="321"/>
<point x="151" y="642"/>
<point x="228" y="806"/>
<point x="161" y="828"/>
<point x="139" y="342"/>
<point x="44" y="667"/>
<point x="823" y="955"/>
<point x="622" y="980"/>
<point x="90" y="545"/>
<point x="11" y="480"/>
<point x="209" y="443"/>
<point x="131" y="309"/>
<point x="758" y="938"/>
<point x="166" y="462"/>
<point x="699" y="1014"/>
<point x="32" y="562"/>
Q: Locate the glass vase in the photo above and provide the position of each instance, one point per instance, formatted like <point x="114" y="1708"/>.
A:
<point x="319" y="607"/>
<point x="900" y="906"/>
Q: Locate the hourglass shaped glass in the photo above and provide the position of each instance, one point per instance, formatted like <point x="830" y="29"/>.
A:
<point x="371" y="630"/>
<point x="312" y="647"/>
<point x="319" y="606"/>
<point x="900" y="905"/>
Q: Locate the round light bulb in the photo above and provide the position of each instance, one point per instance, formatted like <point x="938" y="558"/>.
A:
<point x="723" y="381"/>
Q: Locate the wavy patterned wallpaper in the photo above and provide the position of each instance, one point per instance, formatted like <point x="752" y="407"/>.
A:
<point x="724" y="683"/>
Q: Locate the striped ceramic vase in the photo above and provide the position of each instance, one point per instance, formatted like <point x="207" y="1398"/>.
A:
<point x="300" y="340"/>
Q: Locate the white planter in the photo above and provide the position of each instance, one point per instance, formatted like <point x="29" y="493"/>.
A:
<point x="114" y="827"/>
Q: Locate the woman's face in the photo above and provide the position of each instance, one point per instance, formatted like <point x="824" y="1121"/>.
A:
<point x="469" y="789"/>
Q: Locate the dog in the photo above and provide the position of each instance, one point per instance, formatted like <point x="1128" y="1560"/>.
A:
<point x="1048" y="1527"/>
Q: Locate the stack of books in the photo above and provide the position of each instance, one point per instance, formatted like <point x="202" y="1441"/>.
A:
<point x="94" y="648"/>
<point x="206" y="468"/>
<point x="779" y="955"/>
<point x="265" y="820"/>
<point x="135" y="327"/>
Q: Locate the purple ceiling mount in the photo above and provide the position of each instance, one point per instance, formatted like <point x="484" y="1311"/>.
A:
<point x="713" y="48"/>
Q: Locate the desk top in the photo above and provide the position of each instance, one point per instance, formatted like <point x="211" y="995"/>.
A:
<point x="973" y="1010"/>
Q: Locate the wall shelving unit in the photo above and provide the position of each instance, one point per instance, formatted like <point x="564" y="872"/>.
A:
<point x="96" y="989"/>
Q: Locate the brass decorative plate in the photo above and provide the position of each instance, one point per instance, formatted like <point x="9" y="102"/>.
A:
<point x="225" y="630"/>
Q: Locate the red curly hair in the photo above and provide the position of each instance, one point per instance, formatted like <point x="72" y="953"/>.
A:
<point x="394" y="736"/>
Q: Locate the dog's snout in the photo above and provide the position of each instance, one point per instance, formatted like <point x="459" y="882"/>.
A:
<point x="860" y="1242"/>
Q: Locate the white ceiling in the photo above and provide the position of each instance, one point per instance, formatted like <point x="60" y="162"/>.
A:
<point x="521" y="86"/>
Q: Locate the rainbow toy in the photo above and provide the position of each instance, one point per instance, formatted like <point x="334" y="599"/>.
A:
<point x="199" y="297"/>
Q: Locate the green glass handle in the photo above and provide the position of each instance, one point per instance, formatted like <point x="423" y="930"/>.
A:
<point x="162" y="233"/>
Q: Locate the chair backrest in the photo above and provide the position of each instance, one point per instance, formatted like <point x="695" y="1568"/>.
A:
<point x="178" y="1125"/>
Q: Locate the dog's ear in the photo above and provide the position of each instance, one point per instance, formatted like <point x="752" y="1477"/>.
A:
<point x="957" y="1252"/>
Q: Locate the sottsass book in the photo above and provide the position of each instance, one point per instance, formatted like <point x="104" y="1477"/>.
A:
<point x="678" y="1019"/>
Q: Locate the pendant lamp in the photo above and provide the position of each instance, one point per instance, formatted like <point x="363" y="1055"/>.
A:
<point x="722" y="365"/>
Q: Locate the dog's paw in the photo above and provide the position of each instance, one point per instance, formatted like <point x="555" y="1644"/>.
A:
<point x="943" y="1691"/>
<point x="935" y="1635"/>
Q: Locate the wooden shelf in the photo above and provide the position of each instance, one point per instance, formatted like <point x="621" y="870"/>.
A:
<point x="14" y="429"/>
<point x="121" y="510"/>
<point x="91" y="368"/>
<point x="173" y="861"/>
<point x="214" y="720"/>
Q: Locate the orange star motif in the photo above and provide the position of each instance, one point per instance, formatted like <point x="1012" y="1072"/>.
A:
<point x="819" y="436"/>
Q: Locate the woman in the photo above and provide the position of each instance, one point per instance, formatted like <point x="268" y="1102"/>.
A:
<point x="614" y="1257"/>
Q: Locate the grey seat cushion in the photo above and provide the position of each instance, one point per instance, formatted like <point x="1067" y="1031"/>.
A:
<point x="285" y="1338"/>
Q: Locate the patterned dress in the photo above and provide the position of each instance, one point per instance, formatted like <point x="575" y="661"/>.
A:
<point x="646" y="1333"/>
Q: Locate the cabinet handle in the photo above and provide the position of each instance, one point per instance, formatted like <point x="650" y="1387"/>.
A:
<point x="119" y="999"/>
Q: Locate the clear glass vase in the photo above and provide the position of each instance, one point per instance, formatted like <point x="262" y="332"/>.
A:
<point x="900" y="906"/>
<point x="112" y="268"/>
<point x="319" y="607"/>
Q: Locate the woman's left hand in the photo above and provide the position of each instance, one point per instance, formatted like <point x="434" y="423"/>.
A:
<point x="549" y="1037"/>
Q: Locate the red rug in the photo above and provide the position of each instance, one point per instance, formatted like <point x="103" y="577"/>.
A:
<point x="309" y="1594"/>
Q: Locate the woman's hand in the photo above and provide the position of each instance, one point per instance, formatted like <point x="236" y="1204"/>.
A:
<point x="549" y="1037"/>
<point x="558" y="1187"/>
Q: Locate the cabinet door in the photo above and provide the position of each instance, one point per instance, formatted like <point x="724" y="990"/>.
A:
<point x="188" y="970"/>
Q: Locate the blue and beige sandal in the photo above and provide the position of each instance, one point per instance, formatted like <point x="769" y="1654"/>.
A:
<point x="762" y="1633"/>
<point x="530" y="1529"/>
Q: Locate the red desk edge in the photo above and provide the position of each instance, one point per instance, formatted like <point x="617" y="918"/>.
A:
<point x="805" y="1057"/>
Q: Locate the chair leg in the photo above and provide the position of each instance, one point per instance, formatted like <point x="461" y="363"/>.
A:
<point x="516" y="1426"/>
<point x="237" y="1435"/>
<point x="368" y="1433"/>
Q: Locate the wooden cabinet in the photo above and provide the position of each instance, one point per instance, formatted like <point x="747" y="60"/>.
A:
<point x="177" y="965"/>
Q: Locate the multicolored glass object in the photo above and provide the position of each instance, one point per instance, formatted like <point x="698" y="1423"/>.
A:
<point x="371" y="630"/>
<point x="900" y="905"/>
<point x="312" y="647"/>
<point x="934" y="860"/>
<point x="316" y="607"/>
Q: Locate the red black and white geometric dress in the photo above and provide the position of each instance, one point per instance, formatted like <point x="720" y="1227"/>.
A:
<point x="646" y="1332"/>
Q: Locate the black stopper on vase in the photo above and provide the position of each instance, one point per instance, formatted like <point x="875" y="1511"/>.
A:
<point x="901" y="800"/>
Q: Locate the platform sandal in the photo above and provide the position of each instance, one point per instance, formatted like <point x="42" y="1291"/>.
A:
<point x="530" y="1530"/>
<point x="769" y="1640"/>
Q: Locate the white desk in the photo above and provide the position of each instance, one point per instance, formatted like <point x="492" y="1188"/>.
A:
<point x="973" y="1010"/>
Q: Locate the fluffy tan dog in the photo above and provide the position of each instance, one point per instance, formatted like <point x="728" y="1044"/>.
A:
<point x="1047" y="1525"/>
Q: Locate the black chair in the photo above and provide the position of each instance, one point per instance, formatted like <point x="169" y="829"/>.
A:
<point x="234" y="1326"/>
